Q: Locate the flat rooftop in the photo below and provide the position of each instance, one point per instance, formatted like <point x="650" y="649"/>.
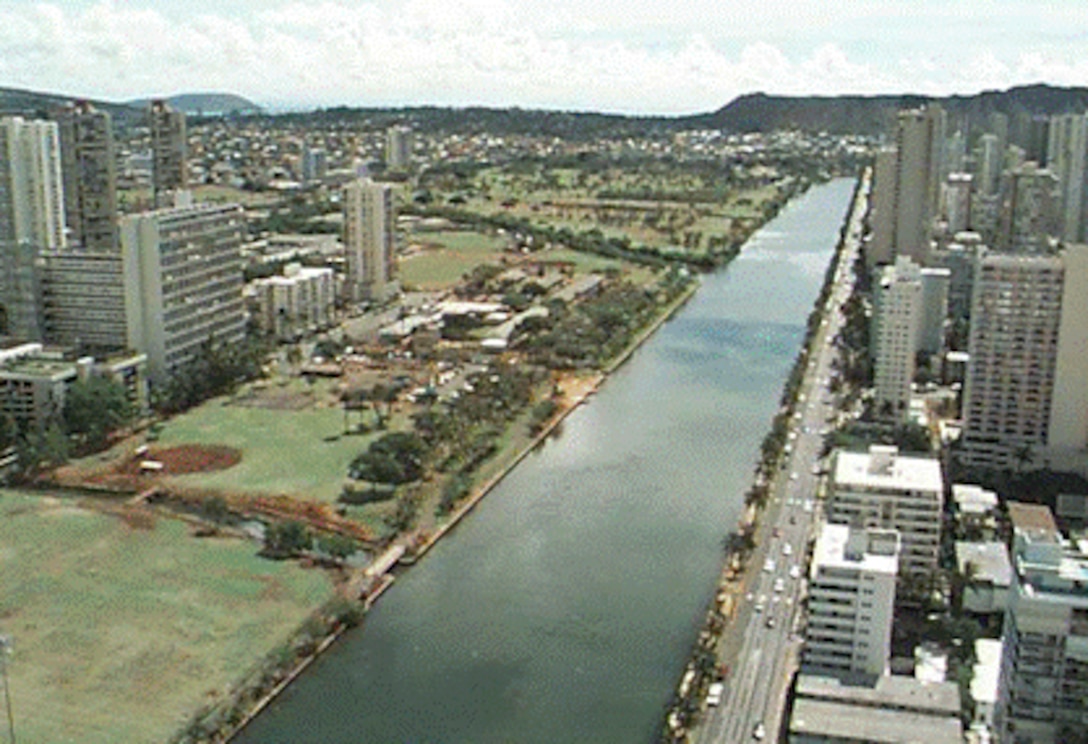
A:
<point x="831" y="552"/>
<point x="990" y="561"/>
<point x="822" y="718"/>
<point x="1033" y="519"/>
<point x="884" y="469"/>
<point x="889" y="691"/>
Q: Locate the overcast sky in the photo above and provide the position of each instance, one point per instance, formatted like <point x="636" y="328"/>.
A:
<point x="634" y="56"/>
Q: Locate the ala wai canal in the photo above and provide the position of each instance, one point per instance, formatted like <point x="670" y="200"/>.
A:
<point x="564" y="608"/>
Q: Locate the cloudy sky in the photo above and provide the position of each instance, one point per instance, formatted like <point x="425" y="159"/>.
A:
<point x="634" y="56"/>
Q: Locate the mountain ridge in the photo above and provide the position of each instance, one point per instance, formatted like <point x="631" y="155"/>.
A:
<point x="751" y="112"/>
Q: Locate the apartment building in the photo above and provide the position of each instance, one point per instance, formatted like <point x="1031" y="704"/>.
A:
<point x="83" y="300"/>
<point x="169" y="167"/>
<point x="906" y="187"/>
<point x="1043" y="693"/>
<point x="369" y="240"/>
<point x="183" y="281"/>
<point x="897" y="318"/>
<point x="851" y="601"/>
<point x="881" y="489"/>
<point x="398" y="148"/>
<point x="89" y="169"/>
<point x="34" y="381"/>
<point x="1024" y="401"/>
<point x="31" y="218"/>
<point x="299" y="303"/>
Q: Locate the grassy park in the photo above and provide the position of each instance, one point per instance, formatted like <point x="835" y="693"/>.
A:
<point x="124" y="624"/>
<point x="441" y="259"/>
<point x="303" y="453"/>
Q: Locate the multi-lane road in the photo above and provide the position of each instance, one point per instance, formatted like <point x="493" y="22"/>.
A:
<point x="762" y="647"/>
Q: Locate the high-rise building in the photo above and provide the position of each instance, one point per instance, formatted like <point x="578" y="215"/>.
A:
<point x="398" y="148"/>
<point x="907" y="186"/>
<point x="936" y="288"/>
<point x="183" y="282"/>
<point x="89" y="169"/>
<point x="989" y="161"/>
<point x="1043" y="686"/>
<point x="897" y="316"/>
<point x="957" y="202"/>
<point x="32" y="203"/>
<point x="851" y="602"/>
<point x="314" y="164"/>
<point x="1023" y="397"/>
<point x="1067" y="159"/>
<point x="83" y="300"/>
<point x="169" y="167"/>
<point x="369" y="240"/>
<point x="1030" y="217"/>
<point x="882" y="489"/>
<point x="31" y="219"/>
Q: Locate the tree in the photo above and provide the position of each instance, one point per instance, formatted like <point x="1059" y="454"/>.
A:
<point x="337" y="546"/>
<point x="286" y="539"/>
<point x="94" y="407"/>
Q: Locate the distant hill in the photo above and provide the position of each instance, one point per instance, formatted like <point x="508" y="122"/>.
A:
<point x="758" y="112"/>
<point x="206" y="104"/>
<point x="34" y="104"/>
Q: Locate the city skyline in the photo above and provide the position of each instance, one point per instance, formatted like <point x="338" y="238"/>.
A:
<point x="618" y="58"/>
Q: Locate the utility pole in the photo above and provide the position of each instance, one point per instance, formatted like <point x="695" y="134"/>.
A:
<point x="5" y="650"/>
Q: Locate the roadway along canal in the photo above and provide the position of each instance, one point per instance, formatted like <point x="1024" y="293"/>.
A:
<point x="564" y="608"/>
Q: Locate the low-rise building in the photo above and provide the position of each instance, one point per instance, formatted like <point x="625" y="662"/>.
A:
<point x="975" y="511"/>
<point x="883" y="489"/>
<point x="985" y="676"/>
<point x="891" y="709"/>
<point x="987" y="574"/>
<point x="34" y="381"/>
<point x="299" y="303"/>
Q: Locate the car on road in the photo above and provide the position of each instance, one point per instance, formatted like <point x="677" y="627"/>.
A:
<point x="770" y="621"/>
<point x="793" y="476"/>
<point x="714" y="694"/>
<point x="759" y="732"/>
<point x="787" y="549"/>
<point x="768" y="566"/>
<point x="795" y="571"/>
<point x="779" y="585"/>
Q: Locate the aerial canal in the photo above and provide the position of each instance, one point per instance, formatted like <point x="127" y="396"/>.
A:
<point x="564" y="608"/>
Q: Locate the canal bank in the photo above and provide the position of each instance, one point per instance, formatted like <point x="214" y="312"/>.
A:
<point x="564" y="609"/>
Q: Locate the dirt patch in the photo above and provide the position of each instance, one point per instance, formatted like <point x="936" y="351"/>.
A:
<point x="185" y="458"/>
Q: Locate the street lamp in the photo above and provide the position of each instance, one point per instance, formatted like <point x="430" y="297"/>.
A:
<point x="6" y="645"/>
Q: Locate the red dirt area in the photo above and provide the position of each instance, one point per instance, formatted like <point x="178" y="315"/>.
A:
<point x="185" y="458"/>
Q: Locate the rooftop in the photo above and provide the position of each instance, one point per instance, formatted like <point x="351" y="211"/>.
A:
<point x="986" y="670"/>
<point x="876" y="551"/>
<point x="821" y="718"/>
<point x="889" y="691"/>
<point x="973" y="499"/>
<point x="989" y="559"/>
<point x="1035" y="520"/>
<point x="883" y="468"/>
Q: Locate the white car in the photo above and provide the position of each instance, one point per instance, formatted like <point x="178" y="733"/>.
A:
<point x="787" y="549"/>
<point x="759" y="731"/>
<point x="768" y="565"/>
<point x="795" y="571"/>
<point x="714" y="694"/>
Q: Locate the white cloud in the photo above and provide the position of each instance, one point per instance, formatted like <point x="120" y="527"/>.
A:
<point x="630" y="56"/>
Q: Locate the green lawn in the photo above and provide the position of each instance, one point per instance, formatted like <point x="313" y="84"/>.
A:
<point x="121" y="633"/>
<point x="284" y="452"/>
<point x="441" y="268"/>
